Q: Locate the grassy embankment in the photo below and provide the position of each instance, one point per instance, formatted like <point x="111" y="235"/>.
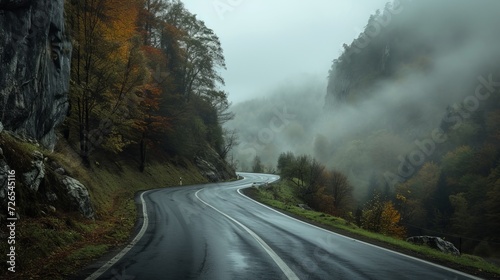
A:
<point x="282" y="197"/>
<point x="53" y="245"/>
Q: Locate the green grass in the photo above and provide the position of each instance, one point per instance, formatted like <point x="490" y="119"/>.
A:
<point x="88" y="252"/>
<point x="281" y="196"/>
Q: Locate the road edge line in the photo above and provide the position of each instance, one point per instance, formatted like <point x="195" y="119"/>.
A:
<point x="129" y="246"/>
<point x="346" y="237"/>
<point x="281" y="264"/>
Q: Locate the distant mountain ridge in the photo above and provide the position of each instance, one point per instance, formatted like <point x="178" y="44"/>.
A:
<point x="408" y="37"/>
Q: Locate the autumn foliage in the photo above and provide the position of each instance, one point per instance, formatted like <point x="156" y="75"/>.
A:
<point x="330" y="191"/>
<point x="144" y="77"/>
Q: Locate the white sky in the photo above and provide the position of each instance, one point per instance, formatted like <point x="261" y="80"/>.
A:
<point x="267" y="42"/>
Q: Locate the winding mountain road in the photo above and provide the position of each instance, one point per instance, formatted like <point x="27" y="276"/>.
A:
<point x="215" y="232"/>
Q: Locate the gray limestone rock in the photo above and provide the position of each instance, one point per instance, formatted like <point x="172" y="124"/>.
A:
<point x="436" y="243"/>
<point x="80" y="197"/>
<point x="4" y="173"/>
<point x="35" y="57"/>
<point x="51" y="196"/>
<point x="34" y="177"/>
<point x="213" y="167"/>
<point x="60" y="171"/>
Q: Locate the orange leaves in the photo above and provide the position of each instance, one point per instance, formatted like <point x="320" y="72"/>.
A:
<point x="150" y="119"/>
<point x="151" y="97"/>
<point x="154" y="54"/>
<point x="121" y="25"/>
<point x="389" y="222"/>
<point x="383" y="217"/>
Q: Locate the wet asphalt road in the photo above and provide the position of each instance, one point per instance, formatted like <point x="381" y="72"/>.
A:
<point x="214" y="232"/>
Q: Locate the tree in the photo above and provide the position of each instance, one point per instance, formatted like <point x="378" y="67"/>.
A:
<point x="285" y="165"/>
<point x="219" y="101"/>
<point x="389" y="222"/>
<point x="492" y="205"/>
<point x="381" y="216"/>
<point x="85" y="21"/>
<point x="315" y="180"/>
<point x="461" y="219"/>
<point x="307" y="174"/>
<point x="107" y="67"/>
<point x="230" y="141"/>
<point x="257" y="166"/>
<point x="416" y="197"/>
<point x="197" y="51"/>
<point x="338" y="186"/>
<point x="149" y="20"/>
<point x="457" y="163"/>
<point x="300" y="172"/>
<point x="149" y="123"/>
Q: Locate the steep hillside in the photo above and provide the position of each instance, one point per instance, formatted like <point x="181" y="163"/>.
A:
<point x="423" y="80"/>
<point x="417" y="38"/>
<point x="64" y="223"/>
<point x="99" y="100"/>
<point x="411" y="117"/>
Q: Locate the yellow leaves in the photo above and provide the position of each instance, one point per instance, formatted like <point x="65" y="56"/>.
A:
<point x="383" y="217"/>
<point x="401" y="197"/>
<point x="389" y="222"/>
<point x="115" y="142"/>
<point x="119" y="26"/>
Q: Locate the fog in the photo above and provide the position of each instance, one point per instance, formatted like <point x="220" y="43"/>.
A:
<point x="371" y="135"/>
<point x="267" y="42"/>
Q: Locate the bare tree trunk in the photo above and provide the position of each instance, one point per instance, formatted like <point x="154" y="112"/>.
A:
<point x="142" y="147"/>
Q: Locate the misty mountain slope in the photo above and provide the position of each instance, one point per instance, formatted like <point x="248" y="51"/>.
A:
<point x="411" y="64"/>
<point x="412" y="110"/>
<point x="425" y="58"/>
<point x="427" y="37"/>
<point x="281" y="121"/>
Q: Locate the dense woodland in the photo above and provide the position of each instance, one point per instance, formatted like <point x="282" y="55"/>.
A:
<point x="446" y="185"/>
<point x="410" y="126"/>
<point x="144" y="79"/>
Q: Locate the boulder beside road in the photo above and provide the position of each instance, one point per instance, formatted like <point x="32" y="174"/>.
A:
<point x="435" y="243"/>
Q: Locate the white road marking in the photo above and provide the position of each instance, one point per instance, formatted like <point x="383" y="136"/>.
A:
<point x="282" y="265"/>
<point x="125" y="250"/>
<point x="340" y="235"/>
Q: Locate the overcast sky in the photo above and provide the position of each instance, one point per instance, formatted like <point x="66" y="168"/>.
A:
<point x="268" y="42"/>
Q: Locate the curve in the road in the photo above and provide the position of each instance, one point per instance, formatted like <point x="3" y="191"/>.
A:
<point x="282" y="265"/>
<point x="215" y="232"/>
<point x="381" y="248"/>
<point x="125" y="250"/>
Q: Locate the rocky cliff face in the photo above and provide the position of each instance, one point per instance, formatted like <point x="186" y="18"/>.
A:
<point x="213" y="167"/>
<point x="34" y="68"/>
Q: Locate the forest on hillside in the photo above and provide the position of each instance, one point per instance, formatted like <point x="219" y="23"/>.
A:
<point x="411" y="118"/>
<point x="145" y="79"/>
<point x="445" y="181"/>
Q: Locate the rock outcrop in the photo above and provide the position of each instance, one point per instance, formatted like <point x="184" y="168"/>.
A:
<point x="4" y="173"/>
<point x="34" y="68"/>
<point x="213" y="167"/>
<point x="435" y="243"/>
<point x="46" y="182"/>
<point x="79" y="196"/>
<point x="34" y="177"/>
